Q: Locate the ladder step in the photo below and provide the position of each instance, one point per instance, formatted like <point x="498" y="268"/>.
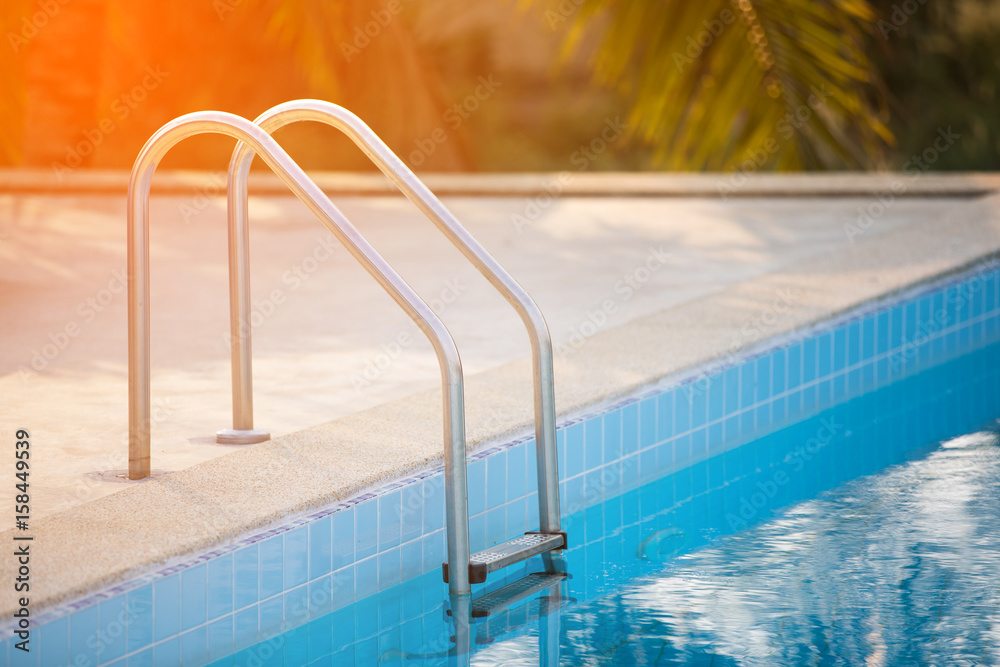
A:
<point x="511" y="594"/>
<point x="510" y="552"/>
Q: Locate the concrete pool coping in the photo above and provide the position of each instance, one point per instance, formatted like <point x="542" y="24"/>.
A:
<point x="565" y="183"/>
<point x="128" y="533"/>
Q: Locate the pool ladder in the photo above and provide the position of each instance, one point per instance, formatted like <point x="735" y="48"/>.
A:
<point x="462" y="568"/>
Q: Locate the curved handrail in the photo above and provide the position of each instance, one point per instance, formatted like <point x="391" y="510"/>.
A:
<point x="253" y="137"/>
<point x="431" y="206"/>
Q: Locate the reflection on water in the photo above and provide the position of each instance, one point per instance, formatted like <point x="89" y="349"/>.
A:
<point x="880" y="547"/>
<point x="897" y="568"/>
<point x="867" y="535"/>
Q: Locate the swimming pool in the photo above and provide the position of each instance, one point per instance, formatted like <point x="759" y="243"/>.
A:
<point x="859" y="536"/>
<point x="675" y="499"/>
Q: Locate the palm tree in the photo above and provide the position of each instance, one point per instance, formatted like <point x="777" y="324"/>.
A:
<point x="747" y="84"/>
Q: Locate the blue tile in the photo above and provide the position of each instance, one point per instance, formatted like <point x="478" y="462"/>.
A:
<point x="763" y="391"/>
<point x="343" y="589"/>
<point x="794" y="369"/>
<point x="167" y="607"/>
<point x="697" y="395"/>
<point x="517" y="470"/>
<point x="320" y="641"/>
<point x="272" y="617"/>
<point x="220" y="638"/>
<point x="909" y="321"/>
<point x="824" y="356"/>
<point x="411" y="560"/>
<point x="194" y="601"/>
<point x="321" y="547"/>
<point x="271" y="557"/>
<point x="296" y="567"/>
<point x="112" y="640"/>
<point x="647" y="423"/>
<point x="853" y="343"/>
<point x="245" y="628"/>
<point x="296" y="603"/>
<point x="731" y="429"/>
<point x="896" y="327"/>
<point x="716" y="396"/>
<point x="53" y="643"/>
<point x="882" y="332"/>
<point x="665" y="426"/>
<point x="141" y="659"/>
<point x="168" y="653"/>
<point x="516" y="516"/>
<point x="412" y="508"/>
<point x="748" y="384"/>
<point x="777" y="372"/>
<point x="496" y="480"/>
<point x="574" y="450"/>
<point x="390" y="513"/>
<point x="247" y="576"/>
<point x="140" y="628"/>
<point x="194" y="648"/>
<point x="434" y="550"/>
<point x="366" y="578"/>
<point x="560" y="459"/>
<point x="682" y="411"/>
<point x="731" y="381"/>
<point x="630" y="429"/>
<point x="593" y="443"/>
<point x="388" y="568"/>
<point x="715" y="439"/>
<point x="612" y="436"/>
<point x="366" y="528"/>
<point x="868" y="326"/>
<point x="320" y="601"/>
<point x="575" y="498"/>
<point x="476" y="481"/>
<point x="220" y="586"/>
<point x="477" y="532"/>
<point x="496" y="526"/>
<point x="432" y="490"/>
<point x="699" y="443"/>
<point x="810" y="359"/>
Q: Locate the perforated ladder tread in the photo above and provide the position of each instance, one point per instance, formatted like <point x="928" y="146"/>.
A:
<point x="510" y="552"/>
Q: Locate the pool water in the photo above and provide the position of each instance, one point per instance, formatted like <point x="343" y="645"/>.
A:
<point x="866" y="535"/>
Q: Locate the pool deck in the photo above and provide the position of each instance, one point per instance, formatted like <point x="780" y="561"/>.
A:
<point x="642" y="278"/>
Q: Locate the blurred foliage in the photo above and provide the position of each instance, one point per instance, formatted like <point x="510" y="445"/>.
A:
<point x="941" y="64"/>
<point x="720" y="84"/>
<point x="783" y="84"/>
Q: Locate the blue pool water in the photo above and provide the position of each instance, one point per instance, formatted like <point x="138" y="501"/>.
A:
<point x="867" y="535"/>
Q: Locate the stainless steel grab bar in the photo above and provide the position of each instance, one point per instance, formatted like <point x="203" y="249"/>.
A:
<point x="256" y="139"/>
<point x="419" y="194"/>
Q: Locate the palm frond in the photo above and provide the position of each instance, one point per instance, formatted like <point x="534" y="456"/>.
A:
<point x="714" y="83"/>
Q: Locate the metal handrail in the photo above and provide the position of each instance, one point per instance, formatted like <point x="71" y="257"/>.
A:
<point x="419" y="194"/>
<point x="256" y="139"/>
